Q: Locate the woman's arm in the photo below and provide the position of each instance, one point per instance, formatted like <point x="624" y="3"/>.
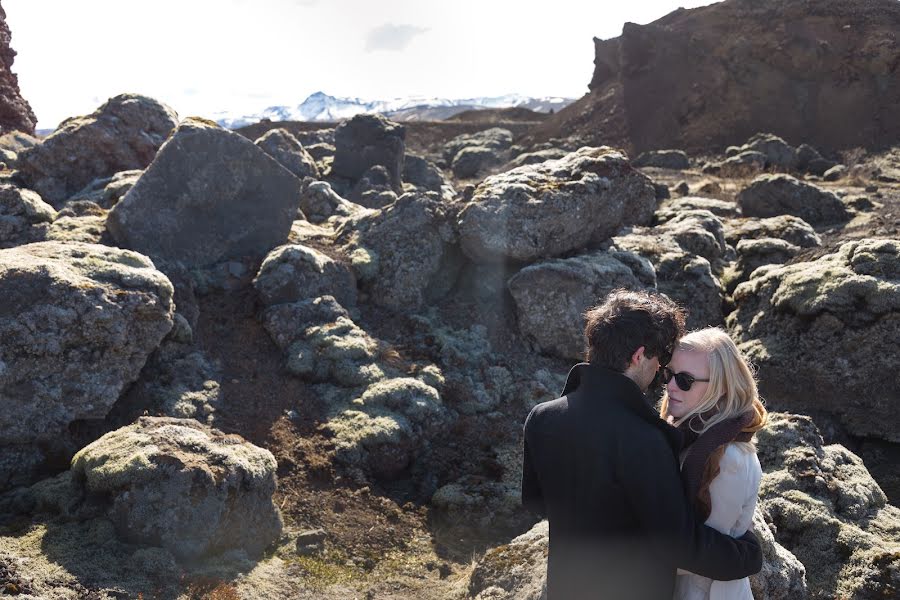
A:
<point x="733" y="492"/>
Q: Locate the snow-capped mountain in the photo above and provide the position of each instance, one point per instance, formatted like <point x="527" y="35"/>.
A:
<point x="323" y="107"/>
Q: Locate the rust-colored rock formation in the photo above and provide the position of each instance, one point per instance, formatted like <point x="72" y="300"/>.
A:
<point x="15" y="112"/>
<point x="826" y="72"/>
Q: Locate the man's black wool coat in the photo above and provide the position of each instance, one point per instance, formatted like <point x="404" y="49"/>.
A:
<point x="602" y="467"/>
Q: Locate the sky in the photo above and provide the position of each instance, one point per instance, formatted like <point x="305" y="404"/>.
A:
<point x="205" y="56"/>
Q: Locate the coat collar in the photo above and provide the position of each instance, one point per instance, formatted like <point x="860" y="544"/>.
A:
<point x="594" y="380"/>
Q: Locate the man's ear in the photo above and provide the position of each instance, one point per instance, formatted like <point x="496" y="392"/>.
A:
<point x="637" y="356"/>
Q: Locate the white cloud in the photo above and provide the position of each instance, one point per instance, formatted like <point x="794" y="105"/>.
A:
<point x="391" y="36"/>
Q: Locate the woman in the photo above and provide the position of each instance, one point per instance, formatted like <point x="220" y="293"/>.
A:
<point x="711" y="396"/>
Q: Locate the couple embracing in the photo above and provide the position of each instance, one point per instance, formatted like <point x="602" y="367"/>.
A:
<point x="645" y="503"/>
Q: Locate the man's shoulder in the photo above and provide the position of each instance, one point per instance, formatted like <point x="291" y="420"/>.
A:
<point x="557" y="406"/>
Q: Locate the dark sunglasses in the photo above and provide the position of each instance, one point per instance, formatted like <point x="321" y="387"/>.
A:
<point x="683" y="380"/>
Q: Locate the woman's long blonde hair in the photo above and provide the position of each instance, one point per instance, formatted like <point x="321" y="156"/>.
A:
<point x="732" y="386"/>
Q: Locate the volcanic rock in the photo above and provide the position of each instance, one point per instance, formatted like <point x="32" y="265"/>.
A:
<point x="686" y="252"/>
<point x="554" y="207"/>
<point x="24" y="217"/>
<point x="538" y="156"/>
<point x="496" y="139"/>
<point x="125" y="133"/>
<point x="702" y="78"/>
<point x="422" y="173"/>
<point x="183" y="486"/>
<point x="472" y="160"/>
<point x="772" y="195"/>
<point x="209" y="196"/>
<point x="15" y="112"/>
<point x="811" y="328"/>
<point x="367" y="140"/>
<point x="663" y="159"/>
<point x="290" y="154"/>
<point x="552" y="296"/>
<point x="319" y="202"/>
<point x="785" y="227"/>
<point x="105" y="192"/>
<point x="826" y="509"/>
<point x="292" y="273"/>
<point x="404" y="253"/>
<point x="719" y="208"/>
<point x="78" y="322"/>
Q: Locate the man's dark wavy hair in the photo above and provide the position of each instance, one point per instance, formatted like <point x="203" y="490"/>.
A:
<point x="628" y="320"/>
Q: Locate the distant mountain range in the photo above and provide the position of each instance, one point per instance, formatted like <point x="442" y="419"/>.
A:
<point x="322" y="107"/>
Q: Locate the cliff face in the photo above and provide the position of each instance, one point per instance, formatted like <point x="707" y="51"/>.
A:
<point x="15" y="112"/>
<point x="818" y="71"/>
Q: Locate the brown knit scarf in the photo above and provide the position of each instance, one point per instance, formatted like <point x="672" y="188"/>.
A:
<point x="701" y="461"/>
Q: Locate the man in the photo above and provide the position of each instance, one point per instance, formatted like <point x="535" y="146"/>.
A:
<point x="603" y="468"/>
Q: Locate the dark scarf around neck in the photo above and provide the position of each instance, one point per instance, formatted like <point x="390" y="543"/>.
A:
<point x="703" y="445"/>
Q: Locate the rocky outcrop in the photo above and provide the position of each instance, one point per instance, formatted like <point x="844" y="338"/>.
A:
<point x="404" y="253"/>
<point x="24" y="216"/>
<point x="367" y="140"/>
<point x="78" y="322"/>
<point x="687" y="253"/>
<point x="824" y="333"/>
<point x="547" y="209"/>
<point x="552" y="296"/>
<point x="183" y="486"/>
<point x="209" y="196"/>
<point x="707" y="77"/>
<point x="123" y="134"/>
<point x="15" y="112"/>
<point x="773" y="195"/>
<point x="826" y="509"/>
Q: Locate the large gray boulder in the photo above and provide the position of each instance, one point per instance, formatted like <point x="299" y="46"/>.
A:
<point x="290" y="154"/>
<point x="663" y="159"/>
<point x="186" y="487"/>
<point x="825" y="334"/>
<point x="551" y="208"/>
<point x="472" y="161"/>
<point x="24" y="216"/>
<point x="552" y="296"/>
<point x="78" y="322"/>
<point x="422" y="173"/>
<point x="824" y="507"/>
<point x="496" y="139"/>
<point x="295" y="272"/>
<point x="125" y="133"/>
<point x="368" y="140"/>
<point x="405" y="253"/>
<point x="773" y="195"/>
<point x="210" y="195"/>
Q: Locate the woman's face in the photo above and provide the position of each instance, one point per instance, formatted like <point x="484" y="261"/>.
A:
<point x="696" y="365"/>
